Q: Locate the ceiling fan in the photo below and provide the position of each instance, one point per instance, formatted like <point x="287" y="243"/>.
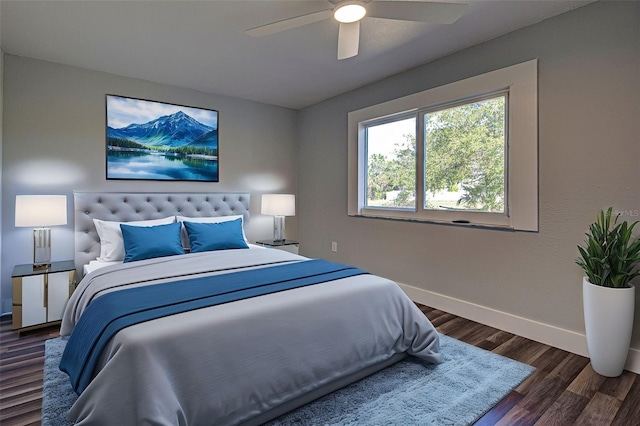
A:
<point x="349" y="13"/>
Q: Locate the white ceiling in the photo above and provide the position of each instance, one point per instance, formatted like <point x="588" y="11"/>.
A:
<point x="202" y="44"/>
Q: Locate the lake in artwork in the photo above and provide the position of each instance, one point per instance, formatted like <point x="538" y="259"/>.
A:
<point x="158" y="141"/>
<point x="123" y="165"/>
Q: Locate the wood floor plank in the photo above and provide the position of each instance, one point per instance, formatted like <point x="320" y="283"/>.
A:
<point x="461" y="330"/>
<point x="518" y="416"/>
<point x="544" y="394"/>
<point x="510" y="346"/>
<point x="481" y="334"/>
<point x="16" y="382"/>
<point x="17" y="414"/>
<point x="521" y="349"/>
<point x="570" y="367"/>
<point x="587" y="383"/>
<point x="425" y="309"/>
<point x="544" y="366"/>
<point x="494" y="415"/>
<point x="630" y="408"/>
<point x="452" y="327"/>
<point x="618" y="387"/>
<point x="27" y="396"/>
<point x="495" y="340"/>
<point x="601" y="410"/>
<point x="442" y="319"/>
<point x="31" y="386"/>
<point x="20" y="367"/>
<point x="564" y="411"/>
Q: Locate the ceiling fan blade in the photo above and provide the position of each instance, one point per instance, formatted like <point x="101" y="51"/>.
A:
<point x="433" y="13"/>
<point x="348" y="40"/>
<point x="288" y="24"/>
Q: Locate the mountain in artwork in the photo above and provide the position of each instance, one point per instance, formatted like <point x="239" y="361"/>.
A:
<point x="175" y="130"/>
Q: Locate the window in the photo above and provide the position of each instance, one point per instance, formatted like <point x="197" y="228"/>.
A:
<point x="391" y="159"/>
<point x="464" y="153"/>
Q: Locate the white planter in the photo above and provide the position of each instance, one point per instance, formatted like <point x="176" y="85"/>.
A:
<point x="608" y="319"/>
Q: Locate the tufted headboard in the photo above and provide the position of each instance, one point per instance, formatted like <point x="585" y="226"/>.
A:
<point x="127" y="207"/>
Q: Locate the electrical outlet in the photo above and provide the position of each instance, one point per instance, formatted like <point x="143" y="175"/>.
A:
<point x="334" y="246"/>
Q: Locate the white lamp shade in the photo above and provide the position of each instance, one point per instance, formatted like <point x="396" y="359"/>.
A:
<point x="279" y="204"/>
<point x="41" y="210"/>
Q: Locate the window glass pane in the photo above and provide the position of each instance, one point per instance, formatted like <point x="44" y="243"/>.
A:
<point x="465" y="157"/>
<point x="391" y="164"/>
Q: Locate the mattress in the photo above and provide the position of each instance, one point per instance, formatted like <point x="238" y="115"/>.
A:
<point x="97" y="264"/>
<point x="245" y="361"/>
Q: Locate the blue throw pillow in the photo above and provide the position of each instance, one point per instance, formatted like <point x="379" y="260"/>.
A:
<point x="147" y="242"/>
<point x="215" y="236"/>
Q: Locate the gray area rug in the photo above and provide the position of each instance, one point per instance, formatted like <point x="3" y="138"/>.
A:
<point x="467" y="384"/>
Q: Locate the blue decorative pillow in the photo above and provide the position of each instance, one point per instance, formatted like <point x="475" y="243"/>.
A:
<point x="147" y="242"/>
<point x="215" y="236"/>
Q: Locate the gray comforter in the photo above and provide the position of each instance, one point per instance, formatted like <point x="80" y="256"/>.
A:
<point x="247" y="361"/>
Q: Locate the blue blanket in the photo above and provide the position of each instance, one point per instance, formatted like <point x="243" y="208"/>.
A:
<point x="110" y="313"/>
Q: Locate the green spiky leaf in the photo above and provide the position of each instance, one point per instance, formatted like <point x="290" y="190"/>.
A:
<point x="610" y="255"/>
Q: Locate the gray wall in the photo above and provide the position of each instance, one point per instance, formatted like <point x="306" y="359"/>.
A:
<point x="589" y="151"/>
<point x="54" y="143"/>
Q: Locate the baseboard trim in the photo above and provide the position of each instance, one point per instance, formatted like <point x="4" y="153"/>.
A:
<point x="567" y="340"/>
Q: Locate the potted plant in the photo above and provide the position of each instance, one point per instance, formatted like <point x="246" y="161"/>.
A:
<point x="609" y="258"/>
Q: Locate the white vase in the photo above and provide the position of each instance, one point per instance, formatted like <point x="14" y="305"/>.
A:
<point x="608" y="319"/>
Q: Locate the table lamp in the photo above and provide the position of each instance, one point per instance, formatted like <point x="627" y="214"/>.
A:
<point x="41" y="212"/>
<point x="279" y="206"/>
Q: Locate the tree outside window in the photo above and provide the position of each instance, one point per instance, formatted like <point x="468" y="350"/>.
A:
<point x="464" y="159"/>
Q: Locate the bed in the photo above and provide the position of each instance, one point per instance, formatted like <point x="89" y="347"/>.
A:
<point x="242" y="361"/>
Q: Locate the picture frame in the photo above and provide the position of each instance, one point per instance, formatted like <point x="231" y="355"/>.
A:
<point x="151" y="140"/>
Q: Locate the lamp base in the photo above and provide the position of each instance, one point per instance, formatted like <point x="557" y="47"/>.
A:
<point x="278" y="228"/>
<point x="41" y="247"/>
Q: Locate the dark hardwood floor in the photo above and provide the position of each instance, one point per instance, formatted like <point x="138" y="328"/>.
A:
<point x="564" y="390"/>
<point x="21" y="365"/>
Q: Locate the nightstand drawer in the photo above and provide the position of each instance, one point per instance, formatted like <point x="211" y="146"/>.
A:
<point x="40" y="295"/>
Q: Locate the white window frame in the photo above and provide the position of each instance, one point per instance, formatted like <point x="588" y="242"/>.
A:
<point x="521" y="185"/>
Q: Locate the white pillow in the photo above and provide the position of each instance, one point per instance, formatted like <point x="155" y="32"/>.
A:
<point x="213" y="219"/>
<point x="111" y="242"/>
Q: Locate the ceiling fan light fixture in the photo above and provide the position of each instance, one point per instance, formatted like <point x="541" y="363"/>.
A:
<point x="349" y="11"/>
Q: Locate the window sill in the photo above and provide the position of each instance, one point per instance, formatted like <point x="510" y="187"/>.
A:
<point x="461" y="224"/>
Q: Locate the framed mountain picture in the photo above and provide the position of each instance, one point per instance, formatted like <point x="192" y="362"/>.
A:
<point x="151" y="140"/>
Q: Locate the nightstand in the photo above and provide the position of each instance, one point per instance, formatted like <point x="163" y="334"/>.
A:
<point x="287" y="245"/>
<point x="40" y="294"/>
